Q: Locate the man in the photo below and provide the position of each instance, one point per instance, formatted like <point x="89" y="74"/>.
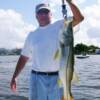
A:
<point x="41" y="45"/>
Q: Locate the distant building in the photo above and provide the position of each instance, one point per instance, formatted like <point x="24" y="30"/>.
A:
<point x="97" y="51"/>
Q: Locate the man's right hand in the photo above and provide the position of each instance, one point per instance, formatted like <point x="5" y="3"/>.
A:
<point x="13" y="84"/>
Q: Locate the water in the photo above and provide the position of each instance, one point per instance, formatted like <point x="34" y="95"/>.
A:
<point x="7" y="67"/>
<point x="87" y="89"/>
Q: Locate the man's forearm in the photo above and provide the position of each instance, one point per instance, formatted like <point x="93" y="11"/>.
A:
<point x="77" y="16"/>
<point x="20" y="65"/>
<point x="76" y="12"/>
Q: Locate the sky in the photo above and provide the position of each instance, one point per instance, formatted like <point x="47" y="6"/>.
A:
<point x="17" y="19"/>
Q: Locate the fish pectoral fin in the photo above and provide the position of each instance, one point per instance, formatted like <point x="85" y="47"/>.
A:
<point x="71" y="98"/>
<point x="57" y="55"/>
<point x="75" y="78"/>
<point x="59" y="83"/>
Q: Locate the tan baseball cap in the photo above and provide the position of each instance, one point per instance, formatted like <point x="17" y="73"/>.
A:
<point x="42" y="6"/>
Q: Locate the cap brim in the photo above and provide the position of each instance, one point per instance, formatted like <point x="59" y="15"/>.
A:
<point x="47" y="8"/>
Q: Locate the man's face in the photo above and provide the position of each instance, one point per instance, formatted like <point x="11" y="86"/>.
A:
<point x="44" y="17"/>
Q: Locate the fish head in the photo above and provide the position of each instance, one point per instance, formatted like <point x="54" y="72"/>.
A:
<point x="66" y="35"/>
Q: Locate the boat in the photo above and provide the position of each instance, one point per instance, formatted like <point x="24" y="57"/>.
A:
<point x="82" y="56"/>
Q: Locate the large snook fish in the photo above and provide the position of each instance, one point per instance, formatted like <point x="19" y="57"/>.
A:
<point x="66" y="53"/>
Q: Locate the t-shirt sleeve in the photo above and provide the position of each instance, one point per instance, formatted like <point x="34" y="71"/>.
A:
<point x="27" y="49"/>
<point x="76" y="28"/>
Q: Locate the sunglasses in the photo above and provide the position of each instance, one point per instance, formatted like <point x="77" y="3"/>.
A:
<point x="43" y="11"/>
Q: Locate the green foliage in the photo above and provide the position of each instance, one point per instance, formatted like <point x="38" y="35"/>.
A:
<point x="4" y="51"/>
<point x="83" y="48"/>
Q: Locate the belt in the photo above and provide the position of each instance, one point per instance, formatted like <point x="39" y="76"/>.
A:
<point x="45" y="73"/>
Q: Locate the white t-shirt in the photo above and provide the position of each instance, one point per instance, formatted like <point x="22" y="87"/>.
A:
<point x="41" y="45"/>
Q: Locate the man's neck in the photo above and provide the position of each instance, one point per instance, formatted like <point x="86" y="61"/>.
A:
<point x="43" y="25"/>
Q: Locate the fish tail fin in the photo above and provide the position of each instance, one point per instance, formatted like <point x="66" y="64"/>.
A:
<point x="63" y="98"/>
<point x="71" y="98"/>
<point x="75" y="78"/>
<point x="57" y="55"/>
